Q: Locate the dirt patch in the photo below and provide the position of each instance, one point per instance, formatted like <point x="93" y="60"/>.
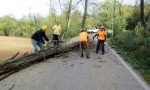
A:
<point x="11" y="45"/>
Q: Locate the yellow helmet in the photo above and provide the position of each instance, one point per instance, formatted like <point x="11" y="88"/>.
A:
<point x="44" y="28"/>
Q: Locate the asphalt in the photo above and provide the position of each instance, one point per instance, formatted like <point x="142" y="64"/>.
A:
<point x="71" y="72"/>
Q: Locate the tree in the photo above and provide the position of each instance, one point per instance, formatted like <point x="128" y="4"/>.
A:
<point x="142" y="12"/>
<point x="113" y="18"/>
<point x="7" y="25"/>
<point x="68" y="16"/>
<point x="85" y="14"/>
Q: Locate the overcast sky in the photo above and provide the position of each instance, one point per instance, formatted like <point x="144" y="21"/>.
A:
<point x="20" y="8"/>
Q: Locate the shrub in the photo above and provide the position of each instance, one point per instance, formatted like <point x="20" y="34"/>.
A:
<point x="135" y="48"/>
<point x="125" y="41"/>
<point x="139" y="30"/>
<point x="141" y="56"/>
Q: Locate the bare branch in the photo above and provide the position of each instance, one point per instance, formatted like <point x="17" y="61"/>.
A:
<point x="74" y="6"/>
<point x="93" y="4"/>
<point x="60" y="5"/>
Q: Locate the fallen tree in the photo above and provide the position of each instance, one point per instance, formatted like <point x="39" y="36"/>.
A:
<point x="14" y="64"/>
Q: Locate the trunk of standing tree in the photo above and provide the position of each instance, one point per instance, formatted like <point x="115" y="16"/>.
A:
<point x="85" y="14"/>
<point x="68" y="17"/>
<point x="52" y="11"/>
<point x="120" y="7"/>
<point x="113" y="19"/>
<point x="142" y="11"/>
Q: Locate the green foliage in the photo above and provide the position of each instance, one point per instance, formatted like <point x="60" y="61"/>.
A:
<point x="125" y="41"/>
<point x="134" y="15"/>
<point x="146" y="75"/>
<point x="72" y="33"/>
<point x="139" y="30"/>
<point x="119" y="26"/>
<point x="27" y="25"/>
<point x="141" y="56"/>
<point x="148" y="27"/>
<point x="135" y="48"/>
<point x="90" y="22"/>
<point x="133" y="21"/>
<point x="7" y="25"/>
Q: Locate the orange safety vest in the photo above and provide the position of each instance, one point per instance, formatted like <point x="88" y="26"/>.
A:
<point x="101" y="34"/>
<point x="83" y="36"/>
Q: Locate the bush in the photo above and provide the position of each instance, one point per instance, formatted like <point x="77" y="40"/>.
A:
<point x="139" y="30"/>
<point x="71" y="34"/>
<point x="133" y="20"/>
<point x="148" y="27"/>
<point x="125" y="41"/>
<point x="119" y="26"/>
<point x="135" y="48"/>
<point x="141" y="56"/>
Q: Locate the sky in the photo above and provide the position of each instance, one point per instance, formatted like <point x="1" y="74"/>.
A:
<point x="20" y="8"/>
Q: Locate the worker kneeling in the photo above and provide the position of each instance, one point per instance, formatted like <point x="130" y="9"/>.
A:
<point x="84" y="42"/>
<point x="37" y="38"/>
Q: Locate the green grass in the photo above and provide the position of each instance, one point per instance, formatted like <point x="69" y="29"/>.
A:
<point x="138" y="58"/>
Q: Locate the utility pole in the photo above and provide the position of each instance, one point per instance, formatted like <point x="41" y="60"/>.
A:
<point x="113" y="18"/>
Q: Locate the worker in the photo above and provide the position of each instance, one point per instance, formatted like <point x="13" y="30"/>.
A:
<point x="56" y="33"/>
<point x="84" y="42"/>
<point x="101" y="34"/>
<point x="37" y="38"/>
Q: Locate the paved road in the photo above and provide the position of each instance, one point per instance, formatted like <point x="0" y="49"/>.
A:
<point x="70" y="72"/>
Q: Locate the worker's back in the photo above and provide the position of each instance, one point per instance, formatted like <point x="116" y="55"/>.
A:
<point x="57" y="30"/>
<point x="83" y="36"/>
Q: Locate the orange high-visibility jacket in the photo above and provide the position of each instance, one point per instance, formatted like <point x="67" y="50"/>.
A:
<point x="101" y="34"/>
<point x="83" y="36"/>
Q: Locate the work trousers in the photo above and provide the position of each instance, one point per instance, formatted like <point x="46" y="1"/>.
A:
<point x="100" y="45"/>
<point x="55" y="39"/>
<point x="37" y="44"/>
<point x="84" y="48"/>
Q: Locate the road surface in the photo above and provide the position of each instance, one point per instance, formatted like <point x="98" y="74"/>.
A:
<point x="70" y="72"/>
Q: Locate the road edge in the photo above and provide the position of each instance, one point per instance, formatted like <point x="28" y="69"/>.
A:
<point x="140" y="80"/>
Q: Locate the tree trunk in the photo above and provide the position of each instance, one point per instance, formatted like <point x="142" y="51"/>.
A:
<point x="6" y="32"/>
<point x="120" y="7"/>
<point x="142" y="12"/>
<point x="16" y="64"/>
<point x="113" y="18"/>
<point x="85" y="14"/>
<point x="68" y="17"/>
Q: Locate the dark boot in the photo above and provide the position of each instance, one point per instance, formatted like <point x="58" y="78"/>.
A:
<point x="82" y="53"/>
<point x="87" y="53"/>
<point x="87" y="57"/>
<point x="98" y="46"/>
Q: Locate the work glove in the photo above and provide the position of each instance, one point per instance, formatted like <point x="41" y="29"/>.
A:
<point x="45" y="45"/>
<point x="48" y="43"/>
<point x="93" y="38"/>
